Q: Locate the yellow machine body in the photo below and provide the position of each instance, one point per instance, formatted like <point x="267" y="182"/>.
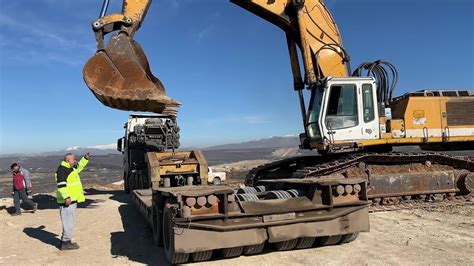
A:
<point x="175" y="165"/>
<point x="421" y="121"/>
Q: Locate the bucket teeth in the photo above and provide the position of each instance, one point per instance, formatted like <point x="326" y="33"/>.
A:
<point x="120" y="77"/>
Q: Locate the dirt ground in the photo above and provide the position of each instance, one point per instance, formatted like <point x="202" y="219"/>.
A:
<point x="111" y="231"/>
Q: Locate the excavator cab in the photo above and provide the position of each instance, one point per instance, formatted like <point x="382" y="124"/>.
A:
<point x="119" y="74"/>
<point x="343" y="110"/>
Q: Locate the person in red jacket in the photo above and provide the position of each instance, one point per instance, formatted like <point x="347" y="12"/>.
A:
<point x="19" y="190"/>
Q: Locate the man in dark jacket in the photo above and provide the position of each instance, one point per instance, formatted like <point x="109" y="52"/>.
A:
<point x="19" y="190"/>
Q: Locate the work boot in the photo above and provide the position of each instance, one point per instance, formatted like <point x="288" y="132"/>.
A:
<point x="67" y="245"/>
<point x="16" y="213"/>
<point x="35" y="207"/>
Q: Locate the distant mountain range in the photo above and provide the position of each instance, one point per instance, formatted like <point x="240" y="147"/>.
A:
<point x="103" y="149"/>
<point x="265" y="143"/>
<point x="274" y="142"/>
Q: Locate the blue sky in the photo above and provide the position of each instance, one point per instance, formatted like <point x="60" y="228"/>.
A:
<point x="229" y="68"/>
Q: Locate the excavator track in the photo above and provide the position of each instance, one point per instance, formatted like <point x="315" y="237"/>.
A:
<point x="395" y="180"/>
<point x="427" y="205"/>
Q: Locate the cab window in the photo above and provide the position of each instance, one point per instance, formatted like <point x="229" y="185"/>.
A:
<point x="342" y="107"/>
<point x="368" y="102"/>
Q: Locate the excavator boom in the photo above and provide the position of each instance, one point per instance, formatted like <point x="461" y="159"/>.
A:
<point x="309" y="24"/>
<point x="120" y="77"/>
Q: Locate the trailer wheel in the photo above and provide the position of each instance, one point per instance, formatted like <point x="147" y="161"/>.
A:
<point x="347" y="238"/>
<point x="278" y="194"/>
<point x="232" y="252"/>
<point x="157" y="224"/>
<point x="305" y="242"/>
<point x="247" y="190"/>
<point x="201" y="255"/>
<point x="247" y="197"/>
<point x="328" y="240"/>
<point x="285" y="245"/>
<point x="254" y="249"/>
<point x="168" y="240"/>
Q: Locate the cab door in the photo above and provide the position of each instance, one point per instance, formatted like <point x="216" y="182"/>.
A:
<point x="349" y="111"/>
<point x="370" y="128"/>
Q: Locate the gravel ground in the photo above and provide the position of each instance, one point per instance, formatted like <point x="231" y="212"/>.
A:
<point x="110" y="231"/>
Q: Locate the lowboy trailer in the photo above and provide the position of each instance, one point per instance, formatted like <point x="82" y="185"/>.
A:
<point x="193" y="222"/>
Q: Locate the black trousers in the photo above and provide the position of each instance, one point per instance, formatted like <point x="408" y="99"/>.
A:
<point x="21" y="194"/>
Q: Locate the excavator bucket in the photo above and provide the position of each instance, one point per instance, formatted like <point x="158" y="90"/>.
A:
<point x="119" y="76"/>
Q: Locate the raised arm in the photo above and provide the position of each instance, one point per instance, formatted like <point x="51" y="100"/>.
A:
<point x="82" y="164"/>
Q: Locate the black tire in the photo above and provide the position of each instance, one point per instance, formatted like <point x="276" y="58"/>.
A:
<point x="296" y="193"/>
<point x="138" y="180"/>
<point x="216" y="181"/>
<point x="247" y="190"/>
<point x="135" y="181"/>
<point x="131" y="182"/>
<point x="305" y="242"/>
<point x="285" y="245"/>
<point x="157" y="220"/>
<point x="328" y="240"/>
<point x="125" y="183"/>
<point x="168" y="240"/>
<point x="232" y="252"/>
<point x="254" y="249"/>
<point x="278" y="194"/>
<point x="247" y="197"/>
<point x="347" y="238"/>
<point x="201" y="255"/>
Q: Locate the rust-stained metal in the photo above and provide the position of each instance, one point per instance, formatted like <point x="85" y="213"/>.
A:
<point x="288" y="214"/>
<point x="120" y="77"/>
<point x="119" y="74"/>
<point x="399" y="180"/>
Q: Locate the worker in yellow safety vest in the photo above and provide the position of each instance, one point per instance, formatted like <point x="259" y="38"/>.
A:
<point x="68" y="194"/>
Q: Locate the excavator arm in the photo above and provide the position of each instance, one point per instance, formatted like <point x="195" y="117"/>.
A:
<point x="120" y="77"/>
<point x="309" y="24"/>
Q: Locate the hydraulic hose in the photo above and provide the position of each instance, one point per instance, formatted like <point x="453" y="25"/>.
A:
<point x="385" y="74"/>
<point x="103" y="10"/>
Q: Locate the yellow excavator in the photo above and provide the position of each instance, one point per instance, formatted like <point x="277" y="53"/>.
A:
<point x="353" y="121"/>
<point x="353" y="118"/>
<point x="347" y="111"/>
